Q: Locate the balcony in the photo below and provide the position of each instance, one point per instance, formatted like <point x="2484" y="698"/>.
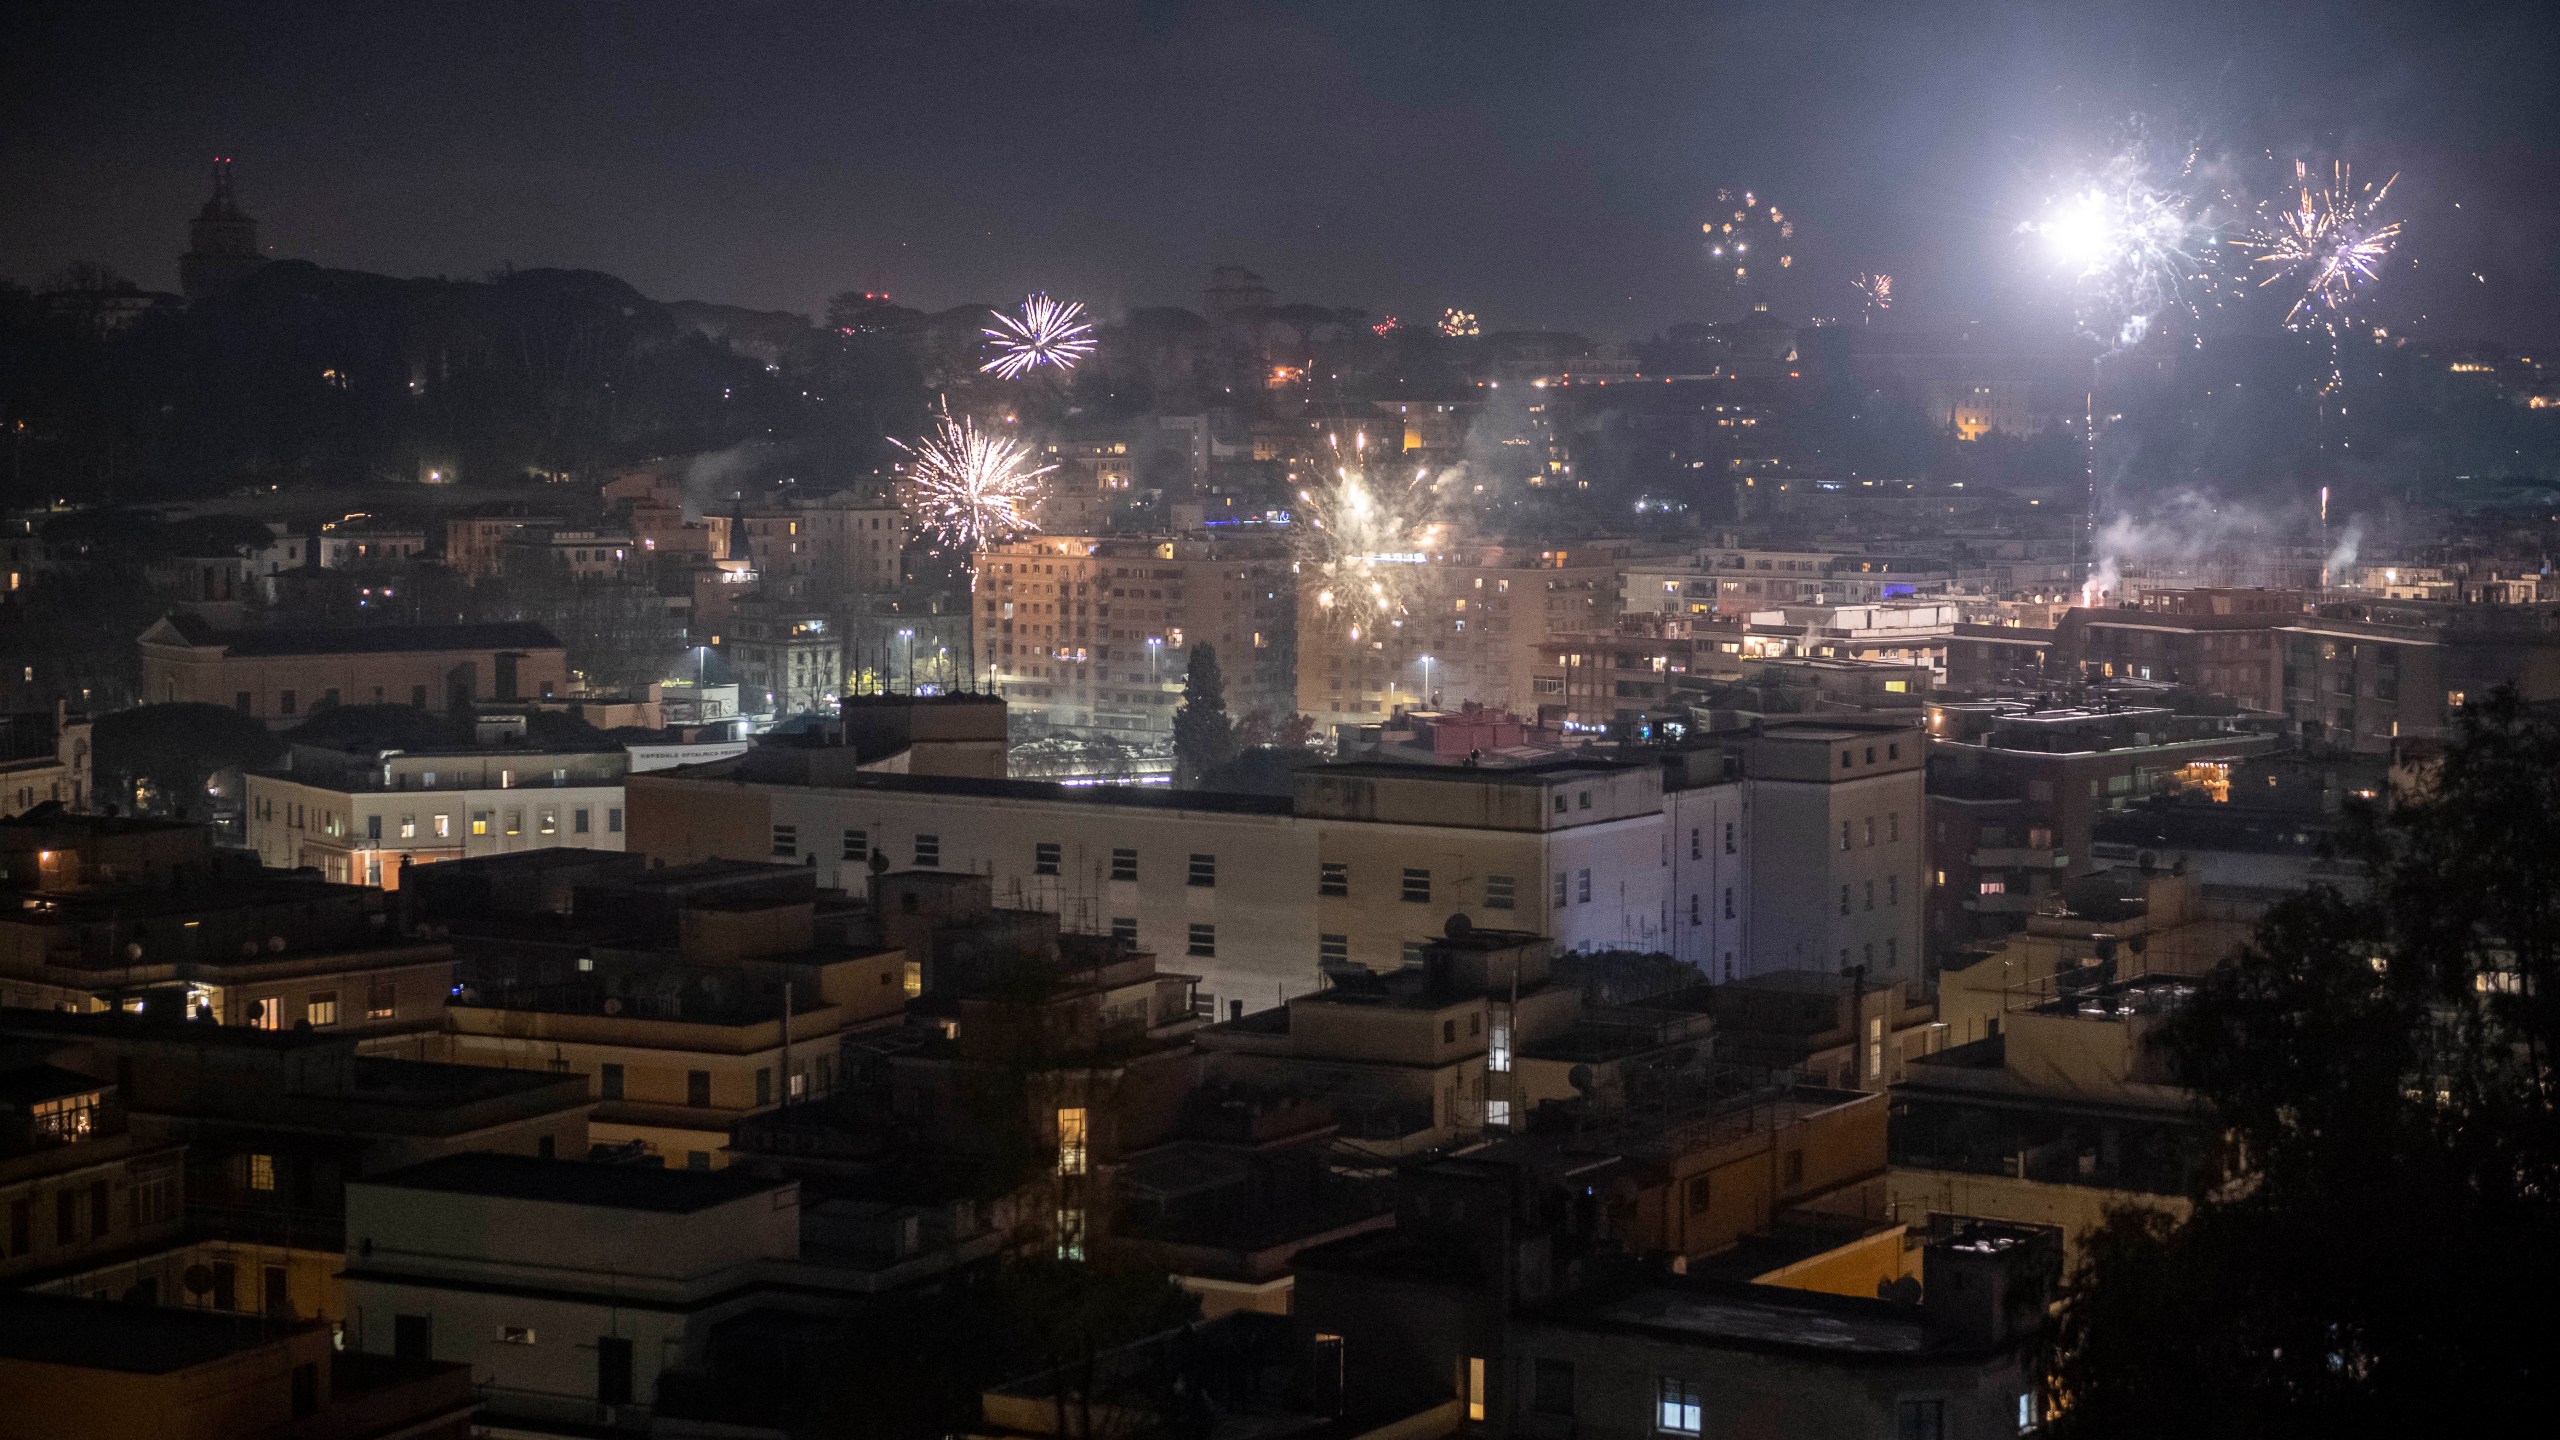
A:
<point x="2019" y="857"/>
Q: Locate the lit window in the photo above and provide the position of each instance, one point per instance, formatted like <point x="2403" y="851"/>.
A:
<point x="1677" y="1411"/>
<point x="262" y="1172"/>
<point x="913" y="977"/>
<point x="1475" y="1384"/>
<point x="322" y="1008"/>
<point x="1071" y="1140"/>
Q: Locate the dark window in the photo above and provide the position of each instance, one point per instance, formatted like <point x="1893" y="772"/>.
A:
<point x="226" y="1285"/>
<point x="1125" y="927"/>
<point x="546" y="1148"/>
<point x="284" y="702"/>
<point x="243" y="703"/>
<point x="271" y="1284"/>
<point x="857" y="845"/>
<point x="1701" y="1194"/>
<point x="1417" y="887"/>
<point x="1448" y="1032"/>
<point x="1920" y="1420"/>
<point x="578" y="821"/>
<point x="613" y="820"/>
<point x="1124" y="864"/>
<point x="1204" y="941"/>
<point x="1551" y="1387"/>
<point x="613" y="1370"/>
<point x="66" y="1216"/>
<point x="1333" y="949"/>
<point x="609" y="1080"/>
<point x="928" y="852"/>
<point x="306" y="1389"/>
<point x="22" y="1226"/>
<point x="1204" y="870"/>
<point x="98" y="1215"/>
<point x="786" y="842"/>
<point x="418" y="697"/>
<point x="1501" y="892"/>
<point x="1334" y="878"/>
<point x="697" y="1088"/>
<point x="1044" y="857"/>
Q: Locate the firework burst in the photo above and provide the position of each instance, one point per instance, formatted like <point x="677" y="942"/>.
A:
<point x="974" y="487"/>
<point x="1045" y="332"/>
<point x="2128" y="235"/>
<point x="1365" y="535"/>
<point x="1750" y="238"/>
<point x="2329" y="243"/>
<point x="1877" y="291"/>
<point x="1455" y="323"/>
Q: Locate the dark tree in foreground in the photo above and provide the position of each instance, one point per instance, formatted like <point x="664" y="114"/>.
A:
<point x="1203" y="737"/>
<point x="158" y="759"/>
<point x="2380" y="1064"/>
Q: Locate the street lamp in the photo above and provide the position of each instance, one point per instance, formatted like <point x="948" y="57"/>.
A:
<point x="907" y="657"/>
<point x="1426" y="682"/>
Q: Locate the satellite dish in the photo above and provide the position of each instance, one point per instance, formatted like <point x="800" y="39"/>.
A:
<point x="197" y="1278"/>
<point x="613" y="1004"/>
<point x="1458" y="927"/>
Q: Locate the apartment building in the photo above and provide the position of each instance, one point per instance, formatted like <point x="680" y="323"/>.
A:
<point x="1643" y="669"/>
<point x="820" y="552"/>
<point x="1733" y="581"/>
<point x="1098" y="632"/>
<point x="2359" y="674"/>
<point x="76" y="1183"/>
<point x="786" y="657"/>
<point x="1910" y="632"/>
<point x="2218" y="641"/>
<point x="361" y="818"/>
<point x="568" y="1288"/>
<point x="1836" y="820"/>
<point x="1220" y="884"/>
<point x="285" y="673"/>
<point x="93" y="1369"/>
<point x="1472" y="624"/>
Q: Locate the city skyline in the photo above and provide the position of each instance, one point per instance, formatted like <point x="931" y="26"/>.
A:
<point x="962" y="154"/>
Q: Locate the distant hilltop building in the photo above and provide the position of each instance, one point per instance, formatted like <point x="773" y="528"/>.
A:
<point x="222" y="243"/>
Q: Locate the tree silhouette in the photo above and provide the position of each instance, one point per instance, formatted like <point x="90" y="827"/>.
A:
<point x="2380" y="1062"/>
<point x="1203" y="737"/>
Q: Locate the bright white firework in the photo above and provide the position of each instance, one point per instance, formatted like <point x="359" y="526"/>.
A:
<point x="1456" y="323"/>
<point x="2330" y="242"/>
<point x="1046" y="332"/>
<point x="2127" y="236"/>
<point x="1367" y="536"/>
<point x="975" y="487"/>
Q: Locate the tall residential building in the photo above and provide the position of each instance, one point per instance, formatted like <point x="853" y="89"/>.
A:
<point x="1098" y="631"/>
<point x="1474" y="621"/>
<point x="1840" y="805"/>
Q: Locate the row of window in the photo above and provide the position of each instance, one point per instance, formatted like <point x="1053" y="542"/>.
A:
<point x="1892" y="831"/>
<point x="1892" y="895"/>
<point x="320" y="1007"/>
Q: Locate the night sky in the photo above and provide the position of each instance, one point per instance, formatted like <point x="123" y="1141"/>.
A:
<point x="1544" y="165"/>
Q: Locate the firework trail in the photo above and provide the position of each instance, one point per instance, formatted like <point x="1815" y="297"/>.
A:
<point x="1365" y="534"/>
<point x="974" y="487"/>
<point x="2329" y="242"/>
<point x="1044" y="333"/>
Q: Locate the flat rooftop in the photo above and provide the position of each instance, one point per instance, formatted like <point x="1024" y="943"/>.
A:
<point x="128" y="1339"/>
<point x="1758" y="1316"/>
<point x="578" y="1182"/>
